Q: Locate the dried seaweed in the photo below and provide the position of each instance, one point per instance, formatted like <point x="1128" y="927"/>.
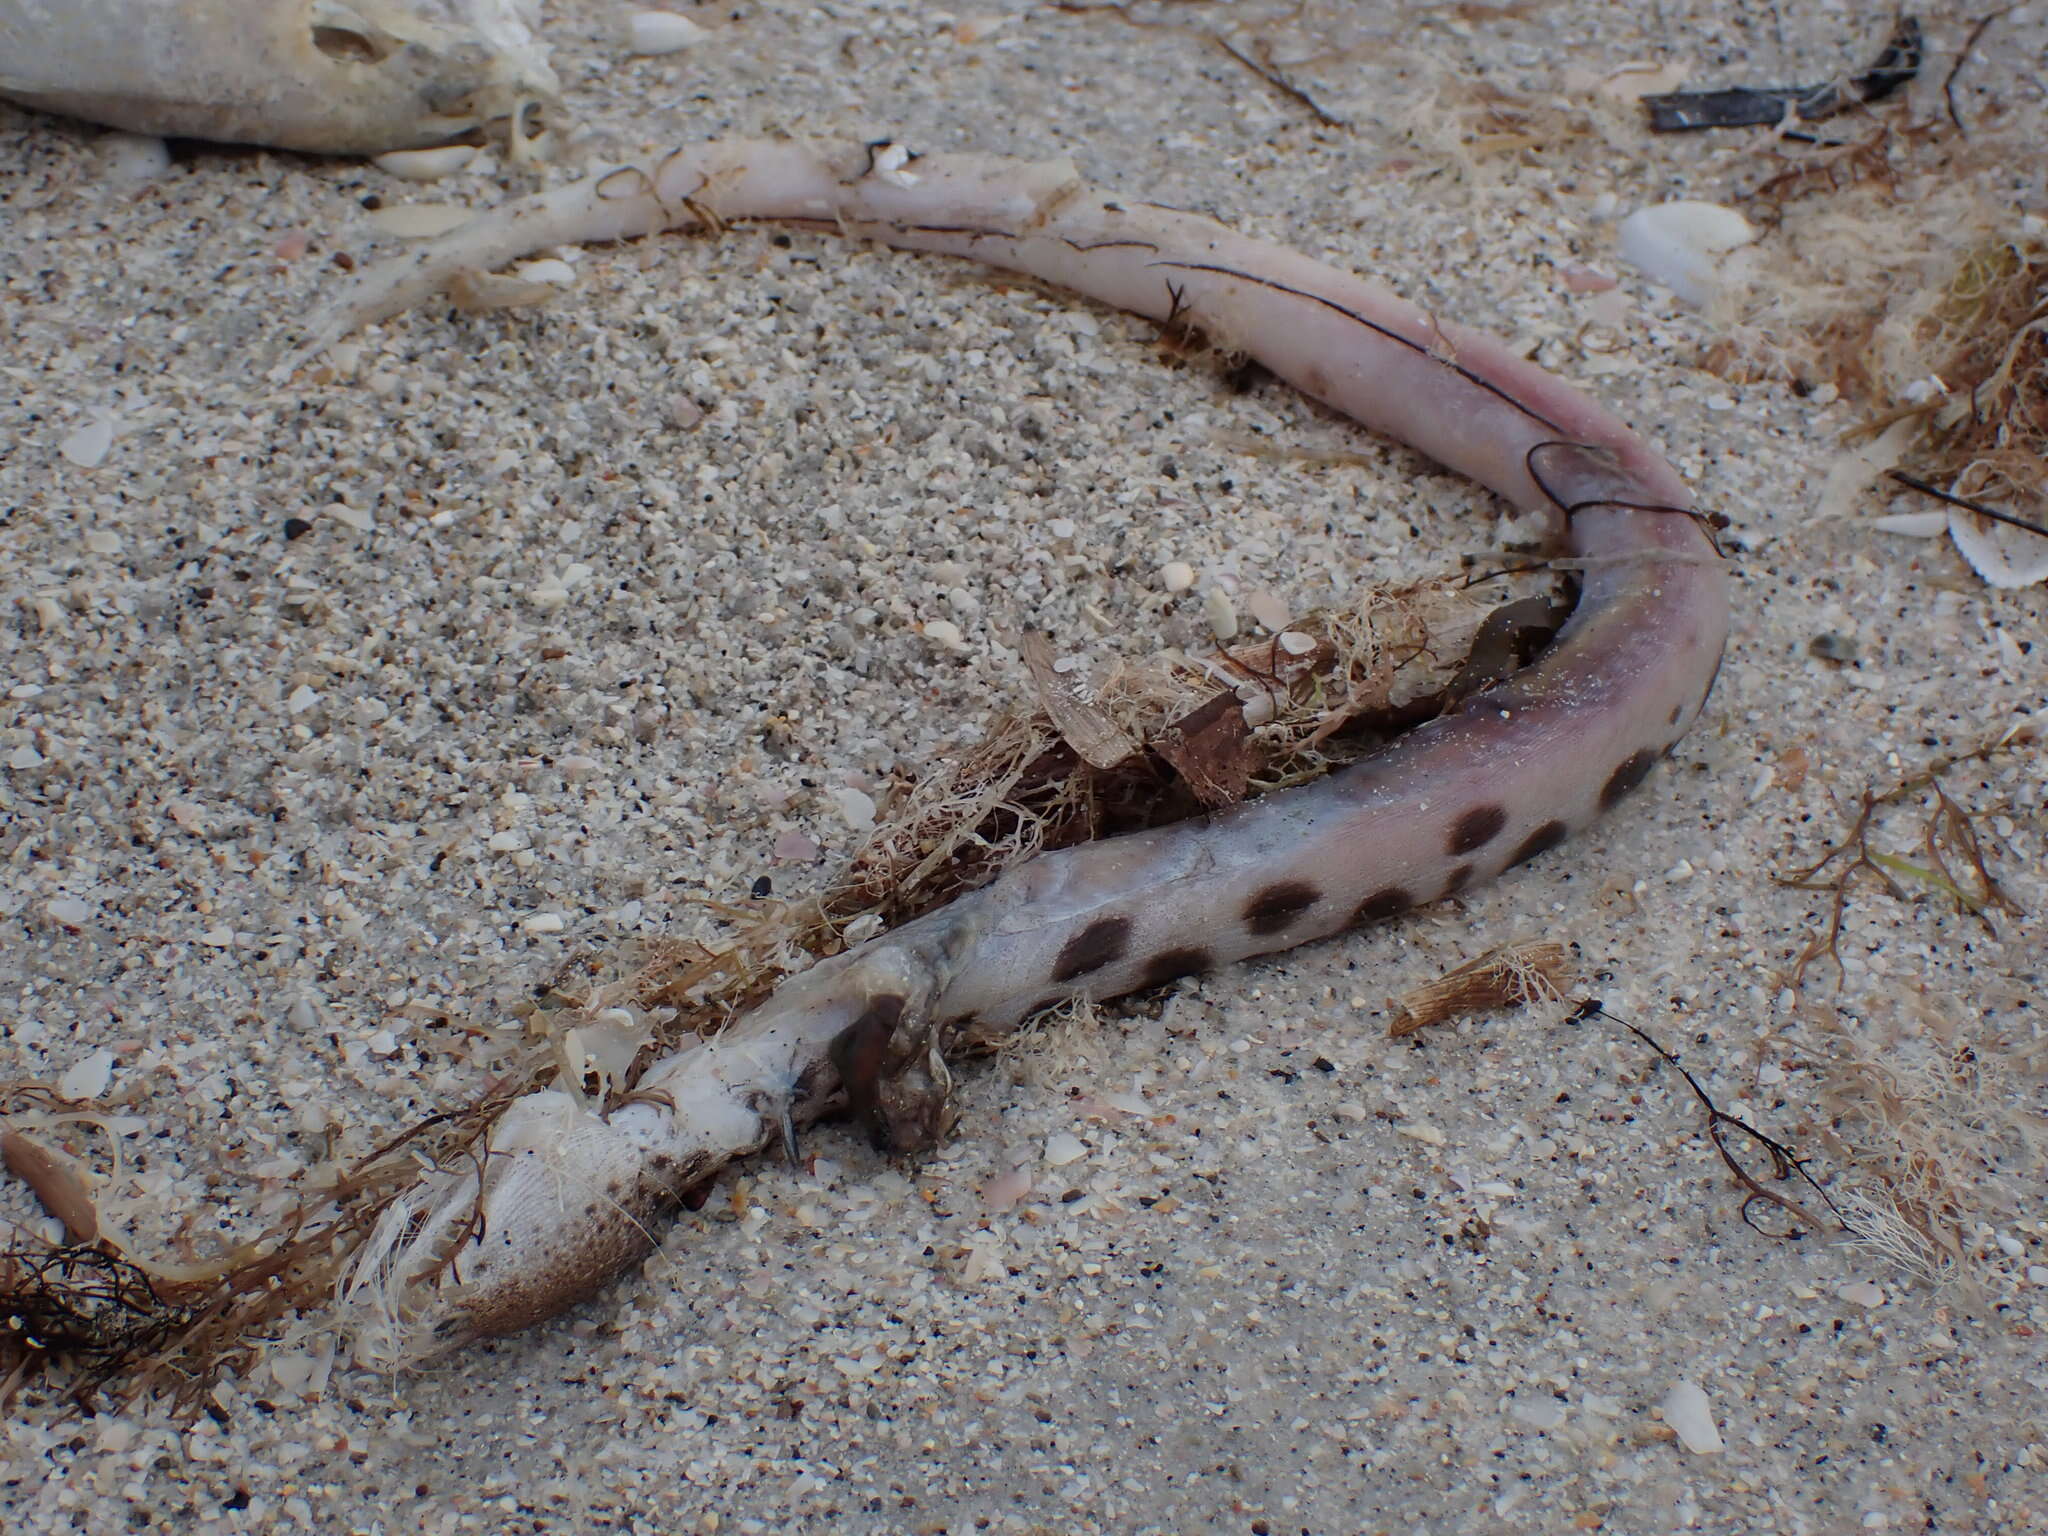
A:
<point x="1506" y="977"/>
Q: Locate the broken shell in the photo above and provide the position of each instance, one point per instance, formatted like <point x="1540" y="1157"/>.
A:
<point x="2004" y="556"/>
<point x="427" y="164"/>
<point x="330" y="76"/>
<point x="1690" y="1415"/>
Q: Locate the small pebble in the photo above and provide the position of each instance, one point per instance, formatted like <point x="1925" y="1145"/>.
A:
<point x="544" y="922"/>
<point x="1691" y="1418"/>
<point x="653" y="33"/>
<point x="1176" y="576"/>
<point x="944" y="632"/>
<point x="1862" y="1293"/>
<point x="134" y="157"/>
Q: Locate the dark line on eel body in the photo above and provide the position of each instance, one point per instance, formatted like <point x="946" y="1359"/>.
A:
<point x="1374" y="326"/>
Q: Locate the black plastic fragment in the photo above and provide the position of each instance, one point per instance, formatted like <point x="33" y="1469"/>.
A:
<point x="1766" y="106"/>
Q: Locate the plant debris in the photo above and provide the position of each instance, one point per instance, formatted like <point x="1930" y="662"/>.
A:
<point x="1501" y="978"/>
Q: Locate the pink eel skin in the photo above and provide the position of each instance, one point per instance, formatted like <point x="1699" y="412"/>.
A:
<point x="567" y="1194"/>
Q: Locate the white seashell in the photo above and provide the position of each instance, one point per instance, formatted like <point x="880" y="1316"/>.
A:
<point x="657" y="32"/>
<point x="1691" y="1418"/>
<point x="2003" y="555"/>
<point x="1681" y="245"/>
<point x="330" y="76"/>
<point x="426" y="164"/>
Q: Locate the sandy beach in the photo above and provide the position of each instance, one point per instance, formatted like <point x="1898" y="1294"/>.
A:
<point x="338" y="714"/>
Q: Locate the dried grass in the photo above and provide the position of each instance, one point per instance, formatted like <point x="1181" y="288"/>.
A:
<point x="1939" y="1114"/>
<point x="1893" y="273"/>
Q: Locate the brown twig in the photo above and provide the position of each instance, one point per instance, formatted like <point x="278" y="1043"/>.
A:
<point x="1949" y="822"/>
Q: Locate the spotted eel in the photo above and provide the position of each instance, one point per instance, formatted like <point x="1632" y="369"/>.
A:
<point x="567" y="1198"/>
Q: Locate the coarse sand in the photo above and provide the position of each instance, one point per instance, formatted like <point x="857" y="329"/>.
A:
<point x="339" y="713"/>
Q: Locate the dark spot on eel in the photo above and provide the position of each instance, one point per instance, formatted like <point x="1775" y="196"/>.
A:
<point x="1460" y="878"/>
<point x="1475" y="829"/>
<point x="1381" y="905"/>
<point x="1095" y="946"/>
<point x="1633" y="770"/>
<point x="1277" y="906"/>
<point x="1542" y="840"/>
<point x="1176" y="962"/>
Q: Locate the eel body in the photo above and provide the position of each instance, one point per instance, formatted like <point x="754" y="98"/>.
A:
<point x="566" y="1198"/>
